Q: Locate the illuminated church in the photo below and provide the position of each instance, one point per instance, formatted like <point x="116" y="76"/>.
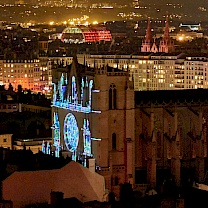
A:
<point x="93" y="117"/>
<point x="166" y="45"/>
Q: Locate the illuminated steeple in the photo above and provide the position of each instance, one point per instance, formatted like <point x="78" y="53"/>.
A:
<point x="148" y="36"/>
<point x="166" y="31"/>
<point x="167" y="43"/>
<point x="147" y="42"/>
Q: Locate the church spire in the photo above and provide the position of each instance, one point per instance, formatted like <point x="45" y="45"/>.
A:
<point x="166" y="31"/>
<point x="147" y="41"/>
<point x="167" y="43"/>
<point x="148" y="37"/>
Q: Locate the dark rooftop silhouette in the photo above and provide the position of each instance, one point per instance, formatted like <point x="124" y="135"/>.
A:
<point x="174" y="96"/>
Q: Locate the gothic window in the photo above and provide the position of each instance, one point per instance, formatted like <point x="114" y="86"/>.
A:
<point x="116" y="181"/>
<point x="112" y="97"/>
<point x="114" y="141"/>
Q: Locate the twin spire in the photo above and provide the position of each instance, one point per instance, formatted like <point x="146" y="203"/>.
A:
<point x="166" y="30"/>
<point x="166" y="44"/>
<point x="148" y="36"/>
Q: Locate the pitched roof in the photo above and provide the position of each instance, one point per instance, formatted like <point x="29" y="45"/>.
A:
<point x="73" y="180"/>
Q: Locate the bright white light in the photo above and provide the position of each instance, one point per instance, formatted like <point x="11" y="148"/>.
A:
<point x="95" y="23"/>
<point x="180" y="38"/>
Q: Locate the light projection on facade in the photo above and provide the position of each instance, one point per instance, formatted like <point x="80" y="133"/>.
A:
<point x="71" y="102"/>
<point x="71" y="134"/>
<point x="43" y="147"/>
<point x="73" y="95"/>
<point x="46" y="149"/>
<point x="87" y="138"/>
<point x="56" y="134"/>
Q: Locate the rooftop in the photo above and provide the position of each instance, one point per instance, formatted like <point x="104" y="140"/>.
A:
<point x="171" y="96"/>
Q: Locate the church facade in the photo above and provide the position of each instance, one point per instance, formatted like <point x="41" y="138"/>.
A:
<point x="171" y="136"/>
<point x="93" y="117"/>
<point x="165" y="45"/>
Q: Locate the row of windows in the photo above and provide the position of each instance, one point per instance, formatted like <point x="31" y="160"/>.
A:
<point x="20" y="66"/>
<point x="8" y="106"/>
<point x="20" y="71"/>
<point x="22" y="61"/>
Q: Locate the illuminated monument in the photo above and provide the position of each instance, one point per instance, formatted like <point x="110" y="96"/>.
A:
<point x="93" y="117"/>
<point x="89" y="34"/>
<point x="73" y="97"/>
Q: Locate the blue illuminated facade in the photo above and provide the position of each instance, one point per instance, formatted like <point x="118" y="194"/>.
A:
<point x="73" y="96"/>
<point x="87" y="138"/>
<point x="71" y="134"/>
<point x="56" y="134"/>
<point x="73" y="102"/>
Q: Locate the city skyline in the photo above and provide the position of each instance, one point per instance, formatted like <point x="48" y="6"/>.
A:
<point x="40" y="11"/>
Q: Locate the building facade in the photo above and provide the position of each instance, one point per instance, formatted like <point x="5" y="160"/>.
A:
<point x="170" y="136"/>
<point x="93" y="117"/>
<point x="6" y="141"/>
<point x="153" y="71"/>
<point x="34" y="75"/>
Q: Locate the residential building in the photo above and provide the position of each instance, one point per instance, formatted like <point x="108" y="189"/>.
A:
<point x="6" y="141"/>
<point x="34" y="75"/>
<point x="35" y="145"/>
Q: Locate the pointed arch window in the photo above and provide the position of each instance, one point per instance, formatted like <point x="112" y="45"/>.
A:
<point x="113" y="141"/>
<point x="112" y="97"/>
<point x="116" y="181"/>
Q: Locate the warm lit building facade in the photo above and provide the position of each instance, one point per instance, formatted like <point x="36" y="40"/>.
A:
<point x="21" y="72"/>
<point x="35" y="145"/>
<point x="6" y="141"/>
<point x="45" y="75"/>
<point x="153" y="71"/>
<point x="30" y="74"/>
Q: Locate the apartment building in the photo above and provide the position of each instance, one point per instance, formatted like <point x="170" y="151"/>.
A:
<point x="32" y="74"/>
<point x="152" y="71"/>
<point x="21" y="72"/>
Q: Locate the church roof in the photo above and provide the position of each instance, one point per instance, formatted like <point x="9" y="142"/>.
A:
<point x="171" y="96"/>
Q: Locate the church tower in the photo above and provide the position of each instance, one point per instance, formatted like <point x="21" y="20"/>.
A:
<point x="167" y="43"/>
<point x="114" y="126"/>
<point x="147" y="42"/>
